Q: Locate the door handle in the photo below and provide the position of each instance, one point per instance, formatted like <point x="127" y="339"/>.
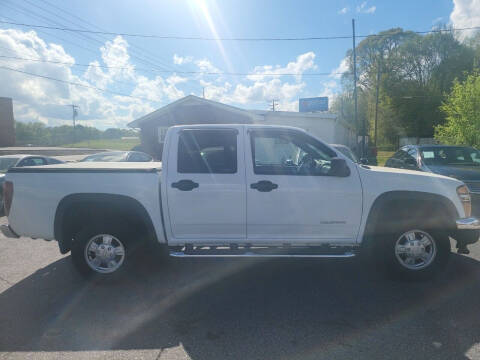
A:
<point x="264" y="186"/>
<point x="185" y="185"/>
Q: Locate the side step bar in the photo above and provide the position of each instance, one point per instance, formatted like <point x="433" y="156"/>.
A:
<point x="266" y="252"/>
<point x="250" y="254"/>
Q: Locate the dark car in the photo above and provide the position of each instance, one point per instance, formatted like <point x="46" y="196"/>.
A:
<point x="459" y="162"/>
<point x="121" y="156"/>
<point x="8" y="161"/>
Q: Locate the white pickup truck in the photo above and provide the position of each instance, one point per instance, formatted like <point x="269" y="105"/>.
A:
<point x="242" y="190"/>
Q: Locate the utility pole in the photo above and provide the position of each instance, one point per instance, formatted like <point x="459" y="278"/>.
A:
<point x="74" y="115"/>
<point x="376" y="103"/>
<point x="362" y="153"/>
<point x="203" y="92"/>
<point x="274" y="103"/>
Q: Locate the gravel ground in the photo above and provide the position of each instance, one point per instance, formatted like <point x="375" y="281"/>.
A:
<point x="238" y="309"/>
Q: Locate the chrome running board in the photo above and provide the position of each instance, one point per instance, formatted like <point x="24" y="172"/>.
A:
<point x="286" y="251"/>
<point x="250" y="254"/>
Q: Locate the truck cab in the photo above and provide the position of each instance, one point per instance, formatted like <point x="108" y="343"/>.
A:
<point x="270" y="185"/>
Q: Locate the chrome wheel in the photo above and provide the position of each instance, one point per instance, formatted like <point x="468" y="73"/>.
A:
<point x="415" y="249"/>
<point x="104" y="253"/>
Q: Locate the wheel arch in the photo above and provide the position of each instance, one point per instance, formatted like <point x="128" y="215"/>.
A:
<point x="75" y="209"/>
<point x="438" y="210"/>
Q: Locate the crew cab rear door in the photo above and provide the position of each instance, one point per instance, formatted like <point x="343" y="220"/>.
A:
<point x="206" y="185"/>
<point x="288" y="202"/>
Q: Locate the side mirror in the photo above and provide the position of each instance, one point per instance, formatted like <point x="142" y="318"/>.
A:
<point x="364" y="161"/>
<point x="339" y="167"/>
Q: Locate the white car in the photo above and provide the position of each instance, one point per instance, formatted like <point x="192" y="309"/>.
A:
<point x="242" y="191"/>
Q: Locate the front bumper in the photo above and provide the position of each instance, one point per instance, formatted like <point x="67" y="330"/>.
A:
<point x="470" y="223"/>
<point x="8" y="232"/>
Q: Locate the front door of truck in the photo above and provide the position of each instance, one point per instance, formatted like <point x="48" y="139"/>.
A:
<point x="290" y="196"/>
<point x="206" y="186"/>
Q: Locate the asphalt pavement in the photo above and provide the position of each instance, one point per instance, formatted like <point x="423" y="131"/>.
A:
<point x="232" y="309"/>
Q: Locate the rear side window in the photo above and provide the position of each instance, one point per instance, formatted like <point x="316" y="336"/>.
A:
<point x="207" y="151"/>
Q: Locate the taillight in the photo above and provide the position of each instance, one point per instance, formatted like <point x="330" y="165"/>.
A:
<point x="7" y="196"/>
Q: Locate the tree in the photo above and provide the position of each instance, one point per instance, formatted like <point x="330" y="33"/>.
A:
<point x="462" y="112"/>
<point x="412" y="73"/>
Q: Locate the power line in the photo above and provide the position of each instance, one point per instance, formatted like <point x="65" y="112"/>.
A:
<point x="82" y="36"/>
<point x="174" y="37"/>
<point x="76" y="84"/>
<point x="173" y="71"/>
<point x="147" y="54"/>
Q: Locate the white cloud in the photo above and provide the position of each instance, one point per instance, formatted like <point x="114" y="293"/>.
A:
<point x="180" y="60"/>
<point x="263" y="88"/>
<point x="343" y="11"/>
<point x="37" y="99"/>
<point x="466" y="13"/>
<point x="205" y="65"/>
<point x="303" y="63"/>
<point x="342" y="68"/>
<point x="362" y="8"/>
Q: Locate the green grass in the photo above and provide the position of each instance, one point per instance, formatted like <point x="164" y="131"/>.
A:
<point x="113" y="144"/>
<point x="382" y="157"/>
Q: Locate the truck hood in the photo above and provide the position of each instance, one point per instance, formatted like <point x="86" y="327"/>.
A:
<point x="399" y="172"/>
<point x="460" y="172"/>
<point x="384" y="179"/>
<point x="377" y="181"/>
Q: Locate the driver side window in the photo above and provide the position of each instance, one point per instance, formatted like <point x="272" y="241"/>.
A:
<point x="288" y="153"/>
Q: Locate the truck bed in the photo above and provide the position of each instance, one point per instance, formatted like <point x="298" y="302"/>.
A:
<point x="38" y="190"/>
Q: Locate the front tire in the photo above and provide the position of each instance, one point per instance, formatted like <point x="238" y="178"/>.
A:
<point x="100" y="251"/>
<point x="414" y="253"/>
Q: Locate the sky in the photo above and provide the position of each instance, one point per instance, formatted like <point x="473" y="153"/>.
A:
<point x="115" y="78"/>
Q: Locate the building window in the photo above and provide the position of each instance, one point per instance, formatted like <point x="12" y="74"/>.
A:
<point x="207" y="151"/>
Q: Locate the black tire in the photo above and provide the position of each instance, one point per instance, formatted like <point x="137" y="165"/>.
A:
<point x="397" y="268"/>
<point x="82" y="239"/>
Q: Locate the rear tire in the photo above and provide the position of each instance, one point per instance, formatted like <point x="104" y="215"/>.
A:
<point x="414" y="253"/>
<point x="101" y="251"/>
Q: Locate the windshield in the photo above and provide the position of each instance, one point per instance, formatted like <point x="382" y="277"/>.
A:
<point x="106" y="157"/>
<point x="7" y="163"/>
<point x="450" y="156"/>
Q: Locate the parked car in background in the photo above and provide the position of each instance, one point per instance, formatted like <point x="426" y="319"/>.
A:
<point x="459" y="162"/>
<point x="121" y="156"/>
<point x="9" y="161"/>
<point x="345" y="150"/>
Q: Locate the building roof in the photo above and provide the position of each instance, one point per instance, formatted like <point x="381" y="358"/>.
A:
<point x="252" y="116"/>
<point x="186" y="101"/>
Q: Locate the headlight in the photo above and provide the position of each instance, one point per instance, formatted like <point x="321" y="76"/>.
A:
<point x="464" y="195"/>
